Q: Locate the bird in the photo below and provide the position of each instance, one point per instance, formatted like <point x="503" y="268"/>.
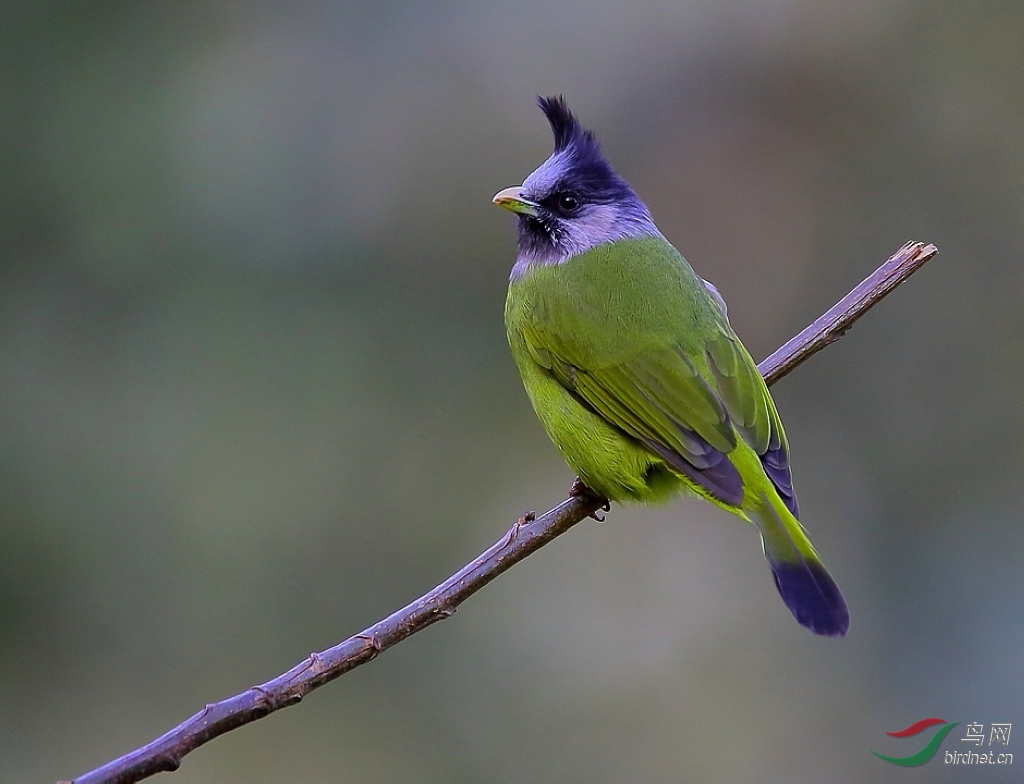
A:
<point x="633" y="368"/>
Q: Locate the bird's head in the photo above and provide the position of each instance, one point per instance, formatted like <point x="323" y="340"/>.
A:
<point x="574" y="200"/>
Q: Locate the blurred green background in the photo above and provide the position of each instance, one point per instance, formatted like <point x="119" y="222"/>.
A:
<point x="255" y="392"/>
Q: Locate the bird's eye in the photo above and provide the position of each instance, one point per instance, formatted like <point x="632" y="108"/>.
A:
<point x="568" y="203"/>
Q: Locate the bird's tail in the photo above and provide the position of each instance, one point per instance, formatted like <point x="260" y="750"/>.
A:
<point x="808" y="590"/>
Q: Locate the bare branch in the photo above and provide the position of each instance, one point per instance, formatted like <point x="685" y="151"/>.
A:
<point x="527" y="535"/>
<point x="834" y="324"/>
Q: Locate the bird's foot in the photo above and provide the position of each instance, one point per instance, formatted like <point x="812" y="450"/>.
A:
<point x="580" y="490"/>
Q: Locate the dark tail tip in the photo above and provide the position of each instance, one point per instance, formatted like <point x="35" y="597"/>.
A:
<point x="813" y="597"/>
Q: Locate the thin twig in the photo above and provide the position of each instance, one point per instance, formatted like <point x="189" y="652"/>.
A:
<point x="523" y="538"/>
<point x="827" y="329"/>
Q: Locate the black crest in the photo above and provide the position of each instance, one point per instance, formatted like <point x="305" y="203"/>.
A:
<point x="585" y="170"/>
<point x="564" y="125"/>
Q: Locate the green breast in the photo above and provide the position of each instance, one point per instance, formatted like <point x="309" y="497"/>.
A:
<point x="599" y="310"/>
<point x="613" y="302"/>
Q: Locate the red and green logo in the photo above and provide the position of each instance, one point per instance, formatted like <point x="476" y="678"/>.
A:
<point x="930" y="747"/>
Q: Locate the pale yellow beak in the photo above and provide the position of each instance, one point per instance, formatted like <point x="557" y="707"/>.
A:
<point x="512" y="199"/>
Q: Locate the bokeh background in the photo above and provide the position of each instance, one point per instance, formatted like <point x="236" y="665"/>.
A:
<point x="255" y="392"/>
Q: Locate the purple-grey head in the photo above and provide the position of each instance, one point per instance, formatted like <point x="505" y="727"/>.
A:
<point x="574" y="200"/>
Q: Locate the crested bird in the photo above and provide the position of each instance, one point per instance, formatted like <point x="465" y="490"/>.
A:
<point x="634" y="370"/>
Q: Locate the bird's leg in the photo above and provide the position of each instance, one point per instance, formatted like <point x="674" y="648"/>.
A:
<point x="580" y="490"/>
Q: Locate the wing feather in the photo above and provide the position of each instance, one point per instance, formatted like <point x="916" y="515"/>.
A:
<point x="753" y="411"/>
<point x="689" y="399"/>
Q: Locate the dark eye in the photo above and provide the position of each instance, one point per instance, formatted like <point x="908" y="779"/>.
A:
<point x="568" y="203"/>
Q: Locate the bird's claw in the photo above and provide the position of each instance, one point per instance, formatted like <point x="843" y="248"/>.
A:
<point x="580" y="490"/>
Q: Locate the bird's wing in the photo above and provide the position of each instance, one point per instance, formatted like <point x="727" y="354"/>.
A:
<point x="690" y="415"/>
<point x="751" y="409"/>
